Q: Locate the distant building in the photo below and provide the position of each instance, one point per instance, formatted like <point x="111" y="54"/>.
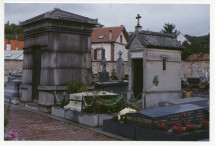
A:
<point x="107" y="42"/>
<point x="13" y="61"/>
<point x="182" y="38"/>
<point x="13" y="45"/>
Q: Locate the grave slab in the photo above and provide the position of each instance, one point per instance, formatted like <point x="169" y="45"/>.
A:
<point x="168" y="115"/>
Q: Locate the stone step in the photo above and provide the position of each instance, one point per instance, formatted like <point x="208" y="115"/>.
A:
<point x="32" y="105"/>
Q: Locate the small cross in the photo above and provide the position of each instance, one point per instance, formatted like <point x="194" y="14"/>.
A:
<point x="120" y="54"/>
<point x="138" y="19"/>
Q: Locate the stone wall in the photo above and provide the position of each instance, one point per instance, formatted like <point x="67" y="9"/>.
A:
<point x="97" y="67"/>
<point x="16" y="66"/>
<point x="13" y="66"/>
<point x="186" y="67"/>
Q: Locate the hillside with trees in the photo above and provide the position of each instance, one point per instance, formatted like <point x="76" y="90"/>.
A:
<point x="198" y="45"/>
<point x="13" y="32"/>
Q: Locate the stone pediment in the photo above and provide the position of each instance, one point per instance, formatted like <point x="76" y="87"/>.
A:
<point x="60" y="15"/>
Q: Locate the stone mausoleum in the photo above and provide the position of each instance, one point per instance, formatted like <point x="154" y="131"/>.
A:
<point x="57" y="51"/>
<point x="154" y="54"/>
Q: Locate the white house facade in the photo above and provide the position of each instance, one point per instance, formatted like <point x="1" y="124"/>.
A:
<point x="107" y="42"/>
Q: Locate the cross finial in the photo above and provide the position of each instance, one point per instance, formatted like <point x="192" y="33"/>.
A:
<point x="120" y="54"/>
<point x="138" y="19"/>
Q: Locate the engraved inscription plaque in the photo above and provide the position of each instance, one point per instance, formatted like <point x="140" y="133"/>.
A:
<point x="168" y="115"/>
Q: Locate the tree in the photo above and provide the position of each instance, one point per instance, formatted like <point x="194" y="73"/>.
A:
<point x="198" y="45"/>
<point x="99" y="25"/>
<point x="13" y="32"/>
<point x="169" y="28"/>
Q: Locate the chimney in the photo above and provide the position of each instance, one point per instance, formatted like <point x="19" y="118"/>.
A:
<point x="110" y="34"/>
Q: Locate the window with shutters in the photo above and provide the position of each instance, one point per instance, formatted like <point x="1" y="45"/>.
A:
<point x="120" y="38"/>
<point x="99" y="53"/>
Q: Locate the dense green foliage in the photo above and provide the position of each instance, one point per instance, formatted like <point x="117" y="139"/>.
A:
<point x="198" y="45"/>
<point x="169" y="28"/>
<point x="13" y="32"/>
<point x="101" y="108"/>
<point x="76" y="87"/>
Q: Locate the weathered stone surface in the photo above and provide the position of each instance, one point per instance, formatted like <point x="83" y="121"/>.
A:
<point x="120" y="67"/>
<point x="89" y="119"/>
<point x="59" y="112"/>
<point x="13" y="66"/>
<point x="57" y="53"/>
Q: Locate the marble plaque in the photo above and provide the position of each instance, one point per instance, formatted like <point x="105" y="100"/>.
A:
<point x="168" y="115"/>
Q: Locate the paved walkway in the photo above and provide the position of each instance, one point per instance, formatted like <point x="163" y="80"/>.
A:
<point x="32" y="126"/>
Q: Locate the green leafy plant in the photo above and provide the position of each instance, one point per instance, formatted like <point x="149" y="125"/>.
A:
<point x="64" y="102"/>
<point x="155" y="80"/>
<point x="76" y="87"/>
<point x="106" y="105"/>
<point x="6" y="115"/>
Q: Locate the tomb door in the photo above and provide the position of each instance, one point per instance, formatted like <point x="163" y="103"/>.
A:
<point x="137" y="77"/>
<point x="36" y="52"/>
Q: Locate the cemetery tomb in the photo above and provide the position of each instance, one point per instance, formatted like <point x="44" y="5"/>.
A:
<point x="57" y="51"/>
<point x="153" y="54"/>
<point x="76" y="100"/>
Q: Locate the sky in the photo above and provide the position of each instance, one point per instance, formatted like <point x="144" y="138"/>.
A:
<point x="191" y="19"/>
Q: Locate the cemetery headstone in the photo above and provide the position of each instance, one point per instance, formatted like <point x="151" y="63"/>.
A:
<point x="120" y="67"/>
<point x="104" y="75"/>
<point x="195" y="71"/>
<point x="168" y="115"/>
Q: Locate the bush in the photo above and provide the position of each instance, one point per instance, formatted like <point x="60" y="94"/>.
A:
<point x="76" y="87"/>
<point x="101" y="108"/>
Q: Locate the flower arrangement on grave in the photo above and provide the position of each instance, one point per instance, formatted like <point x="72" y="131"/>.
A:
<point x="122" y="113"/>
<point x="190" y="127"/>
<point x="177" y="129"/>
<point x="115" y="118"/>
<point x="204" y="124"/>
<point x="162" y="127"/>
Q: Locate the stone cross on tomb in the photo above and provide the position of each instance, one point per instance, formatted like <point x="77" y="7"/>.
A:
<point x="120" y="54"/>
<point x="138" y="19"/>
<point x="104" y="63"/>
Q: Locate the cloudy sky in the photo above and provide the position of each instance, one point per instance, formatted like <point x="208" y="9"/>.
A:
<point x="192" y="19"/>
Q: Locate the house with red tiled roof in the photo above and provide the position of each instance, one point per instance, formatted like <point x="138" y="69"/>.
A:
<point x="13" y="45"/>
<point x="107" y="42"/>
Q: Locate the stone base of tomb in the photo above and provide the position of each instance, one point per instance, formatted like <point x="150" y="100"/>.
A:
<point x="45" y="108"/>
<point x="92" y="120"/>
<point x="147" y="134"/>
<point x="13" y="100"/>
